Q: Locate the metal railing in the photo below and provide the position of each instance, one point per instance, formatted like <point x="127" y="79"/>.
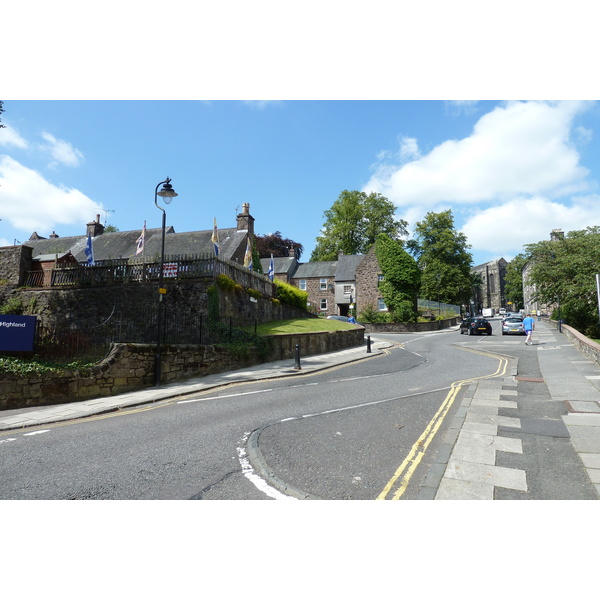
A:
<point x="132" y="270"/>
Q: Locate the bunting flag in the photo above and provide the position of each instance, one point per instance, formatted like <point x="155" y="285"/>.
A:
<point x="215" y="237"/>
<point x="248" y="255"/>
<point x="89" y="251"/>
<point x="140" y="241"/>
<point x="271" y="271"/>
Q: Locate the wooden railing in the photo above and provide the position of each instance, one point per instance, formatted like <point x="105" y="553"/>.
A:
<point x="176" y="268"/>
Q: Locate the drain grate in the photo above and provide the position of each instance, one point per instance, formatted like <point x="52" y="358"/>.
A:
<point x="532" y="379"/>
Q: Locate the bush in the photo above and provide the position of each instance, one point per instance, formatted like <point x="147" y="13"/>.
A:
<point x="290" y="294"/>
<point x="14" y="306"/>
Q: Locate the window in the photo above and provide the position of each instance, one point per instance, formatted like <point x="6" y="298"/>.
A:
<point x="380" y="278"/>
<point x="302" y="284"/>
<point x="381" y="304"/>
<point x="323" y="303"/>
<point x="347" y="290"/>
<point x="323" y="284"/>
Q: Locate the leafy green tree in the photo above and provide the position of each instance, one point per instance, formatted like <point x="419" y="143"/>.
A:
<point x="353" y="223"/>
<point x="402" y="278"/>
<point x="442" y="254"/>
<point x="513" y="281"/>
<point x="1" y="111"/>
<point x="564" y="271"/>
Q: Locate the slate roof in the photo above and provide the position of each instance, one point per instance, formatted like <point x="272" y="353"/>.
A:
<point x="123" y="244"/>
<point x="316" y="269"/>
<point x="281" y="264"/>
<point x="346" y="267"/>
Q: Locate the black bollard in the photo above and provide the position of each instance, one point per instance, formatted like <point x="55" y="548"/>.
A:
<point x="368" y="344"/>
<point x="297" y="365"/>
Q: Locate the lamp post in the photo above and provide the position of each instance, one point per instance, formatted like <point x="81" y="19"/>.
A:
<point x="167" y="193"/>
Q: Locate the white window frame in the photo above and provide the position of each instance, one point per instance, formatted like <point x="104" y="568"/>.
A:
<point x="323" y="304"/>
<point x="381" y="306"/>
<point x="323" y="284"/>
<point x="302" y="284"/>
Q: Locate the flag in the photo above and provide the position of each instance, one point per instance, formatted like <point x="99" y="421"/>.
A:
<point x="215" y="237"/>
<point x="89" y="250"/>
<point x="248" y="255"/>
<point x="140" y="241"/>
<point x="271" y="271"/>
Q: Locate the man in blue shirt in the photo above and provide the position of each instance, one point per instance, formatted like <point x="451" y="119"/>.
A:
<point x="529" y="326"/>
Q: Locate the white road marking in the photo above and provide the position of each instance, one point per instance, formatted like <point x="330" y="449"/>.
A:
<point x="8" y="440"/>
<point x="225" y="396"/>
<point x="37" y="432"/>
<point x="255" y="479"/>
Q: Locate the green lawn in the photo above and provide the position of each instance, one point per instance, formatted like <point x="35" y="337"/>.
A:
<point x="302" y="326"/>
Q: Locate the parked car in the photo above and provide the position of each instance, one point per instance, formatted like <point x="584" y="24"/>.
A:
<point x="475" y="326"/>
<point x="338" y="318"/>
<point x="513" y="326"/>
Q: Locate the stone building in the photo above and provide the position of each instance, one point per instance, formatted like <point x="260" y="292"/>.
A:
<point x="491" y="292"/>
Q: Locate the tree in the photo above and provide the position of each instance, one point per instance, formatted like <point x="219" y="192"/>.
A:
<point x="1" y="111"/>
<point x="443" y="257"/>
<point x="353" y="223"/>
<point x="513" y="281"/>
<point x="273" y="243"/>
<point x="564" y="271"/>
<point x="402" y="279"/>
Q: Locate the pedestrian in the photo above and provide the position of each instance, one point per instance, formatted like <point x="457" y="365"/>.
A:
<point x="529" y="326"/>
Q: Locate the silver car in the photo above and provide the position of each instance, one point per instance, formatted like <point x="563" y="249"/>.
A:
<point x="513" y="326"/>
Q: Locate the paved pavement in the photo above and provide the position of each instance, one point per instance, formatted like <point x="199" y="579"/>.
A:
<point x="466" y="465"/>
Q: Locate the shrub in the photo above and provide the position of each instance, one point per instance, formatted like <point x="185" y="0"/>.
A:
<point x="290" y="294"/>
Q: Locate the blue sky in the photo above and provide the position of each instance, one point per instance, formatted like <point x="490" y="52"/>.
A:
<point x="510" y="171"/>
<point x="98" y="111"/>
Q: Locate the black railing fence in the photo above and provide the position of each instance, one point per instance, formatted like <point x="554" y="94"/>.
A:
<point x="56" y="342"/>
<point x="131" y="270"/>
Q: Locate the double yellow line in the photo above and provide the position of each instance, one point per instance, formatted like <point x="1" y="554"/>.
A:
<point x="405" y="471"/>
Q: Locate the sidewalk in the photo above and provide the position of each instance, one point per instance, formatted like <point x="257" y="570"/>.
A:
<point x="31" y="417"/>
<point x="469" y="469"/>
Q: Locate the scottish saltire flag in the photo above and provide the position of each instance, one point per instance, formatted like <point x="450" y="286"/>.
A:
<point x="215" y="237"/>
<point x="271" y="271"/>
<point x="248" y="255"/>
<point x="140" y="241"/>
<point x="89" y="250"/>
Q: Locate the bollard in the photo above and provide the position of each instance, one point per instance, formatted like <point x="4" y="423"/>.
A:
<point x="368" y="344"/>
<point x="297" y="365"/>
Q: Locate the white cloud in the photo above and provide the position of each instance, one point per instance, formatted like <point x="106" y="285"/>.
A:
<point x="62" y="151"/>
<point x="504" y="230"/>
<point x="31" y="203"/>
<point x="519" y="148"/>
<point x="9" y="136"/>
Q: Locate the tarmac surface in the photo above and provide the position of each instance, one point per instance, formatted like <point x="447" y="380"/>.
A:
<point x="467" y="466"/>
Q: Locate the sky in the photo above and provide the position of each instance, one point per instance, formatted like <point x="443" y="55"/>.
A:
<point x="510" y="171"/>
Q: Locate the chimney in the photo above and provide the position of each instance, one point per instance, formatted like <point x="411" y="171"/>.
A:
<point x="556" y="235"/>
<point x="292" y="252"/>
<point x="53" y="236"/>
<point x="95" y="227"/>
<point x="245" y="221"/>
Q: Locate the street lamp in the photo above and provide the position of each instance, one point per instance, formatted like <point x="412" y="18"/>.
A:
<point x="167" y="193"/>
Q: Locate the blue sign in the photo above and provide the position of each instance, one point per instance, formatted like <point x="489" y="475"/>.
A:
<point x="17" y="333"/>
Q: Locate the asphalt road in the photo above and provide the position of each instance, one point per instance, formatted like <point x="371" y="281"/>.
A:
<point x="338" y="434"/>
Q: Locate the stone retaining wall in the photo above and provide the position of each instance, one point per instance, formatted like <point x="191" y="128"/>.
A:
<point x="410" y="327"/>
<point x="130" y="367"/>
<point x="587" y="347"/>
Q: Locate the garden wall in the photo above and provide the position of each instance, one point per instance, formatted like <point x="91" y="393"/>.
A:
<point x="130" y="367"/>
<point x="584" y="345"/>
<point x="410" y="327"/>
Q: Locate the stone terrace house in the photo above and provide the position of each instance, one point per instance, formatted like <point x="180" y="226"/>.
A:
<point x="123" y="244"/>
<point x="334" y="286"/>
